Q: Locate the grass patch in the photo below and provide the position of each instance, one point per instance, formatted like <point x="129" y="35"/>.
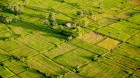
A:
<point x="92" y="37"/>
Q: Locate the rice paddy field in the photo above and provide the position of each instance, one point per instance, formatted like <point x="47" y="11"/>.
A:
<point x="108" y="48"/>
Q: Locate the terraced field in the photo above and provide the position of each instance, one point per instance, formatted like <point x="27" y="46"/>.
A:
<point x="109" y="47"/>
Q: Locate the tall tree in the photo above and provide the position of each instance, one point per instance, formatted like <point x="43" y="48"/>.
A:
<point x="52" y="20"/>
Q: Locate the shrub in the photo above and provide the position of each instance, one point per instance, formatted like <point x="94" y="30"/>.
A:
<point x="69" y="38"/>
<point x="1" y="9"/>
<point x="80" y="13"/>
<point x="90" y="12"/>
<point x="95" y="58"/>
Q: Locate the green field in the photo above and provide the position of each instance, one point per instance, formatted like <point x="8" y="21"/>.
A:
<point x="105" y="42"/>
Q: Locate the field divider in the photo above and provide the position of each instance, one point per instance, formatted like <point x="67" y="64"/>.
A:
<point x="11" y="70"/>
<point x="118" y="39"/>
<point x="87" y="49"/>
<point x="119" y="65"/>
<point x="10" y="29"/>
<point x="49" y="59"/>
<point x="121" y="43"/>
<point x="65" y="53"/>
<point x="63" y="66"/>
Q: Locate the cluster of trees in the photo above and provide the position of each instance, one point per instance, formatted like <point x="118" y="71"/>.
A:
<point x="15" y="9"/>
<point x="11" y="8"/>
<point x="51" y="23"/>
<point x="5" y="19"/>
<point x="7" y="6"/>
<point x="71" y="29"/>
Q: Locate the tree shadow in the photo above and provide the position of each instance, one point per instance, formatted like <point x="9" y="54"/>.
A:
<point x="61" y="22"/>
<point x="87" y="57"/>
<point x="56" y="11"/>
<point x="132" y="13"/>
<point x="35" y="8"/>
<point x="4" y="38"/>
<point x="48" y="10"/>
<point x="38" y="27"/>
<point x="74" y="5"/>
<point x="5" y="55"/>
<point x="36" y="15"/>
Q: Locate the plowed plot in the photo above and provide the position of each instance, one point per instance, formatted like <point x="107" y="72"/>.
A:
<point x="10" y="45"/>
<point x="5" y="73"/>
<point x="46" y="65"/>
<point x="72" y="75"/>
<point x="109" y="31"/>
<point x="3" y="28"/>
<point x="15" y="76"/>
<point x="127" y="56"/>
<point x="123" y="60"/>
<point x="4" y="32"/>
<point x="30" y="74"/>
<point x="75" y="58"/>
<point x="23" y="52"/>
<point x="135" y="19"/>
<point x="35" y="43"/>
<point x="88" y="46"/>
<point x="64" y="48"/>
<point x="92" y="37"/>
<point x="70" y="39"/>
<point x="101" y="70"/>
<point x="137" y="35"/>
<point x="116" y="65"/>
<point x="135" y="40"/>
<point x="130" y="51"/>
<point x="18" y="30"/>
<point x="15" y="66"/>
<point x="52" y="38"/>
<point x="108" y="43"/>
<point x="125" y="27"/>
<point x="5" y="35"/>
<point x="3" y="55"/>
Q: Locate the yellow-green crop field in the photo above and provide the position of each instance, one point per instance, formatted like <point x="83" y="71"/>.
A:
<point x="109" y="47"/>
